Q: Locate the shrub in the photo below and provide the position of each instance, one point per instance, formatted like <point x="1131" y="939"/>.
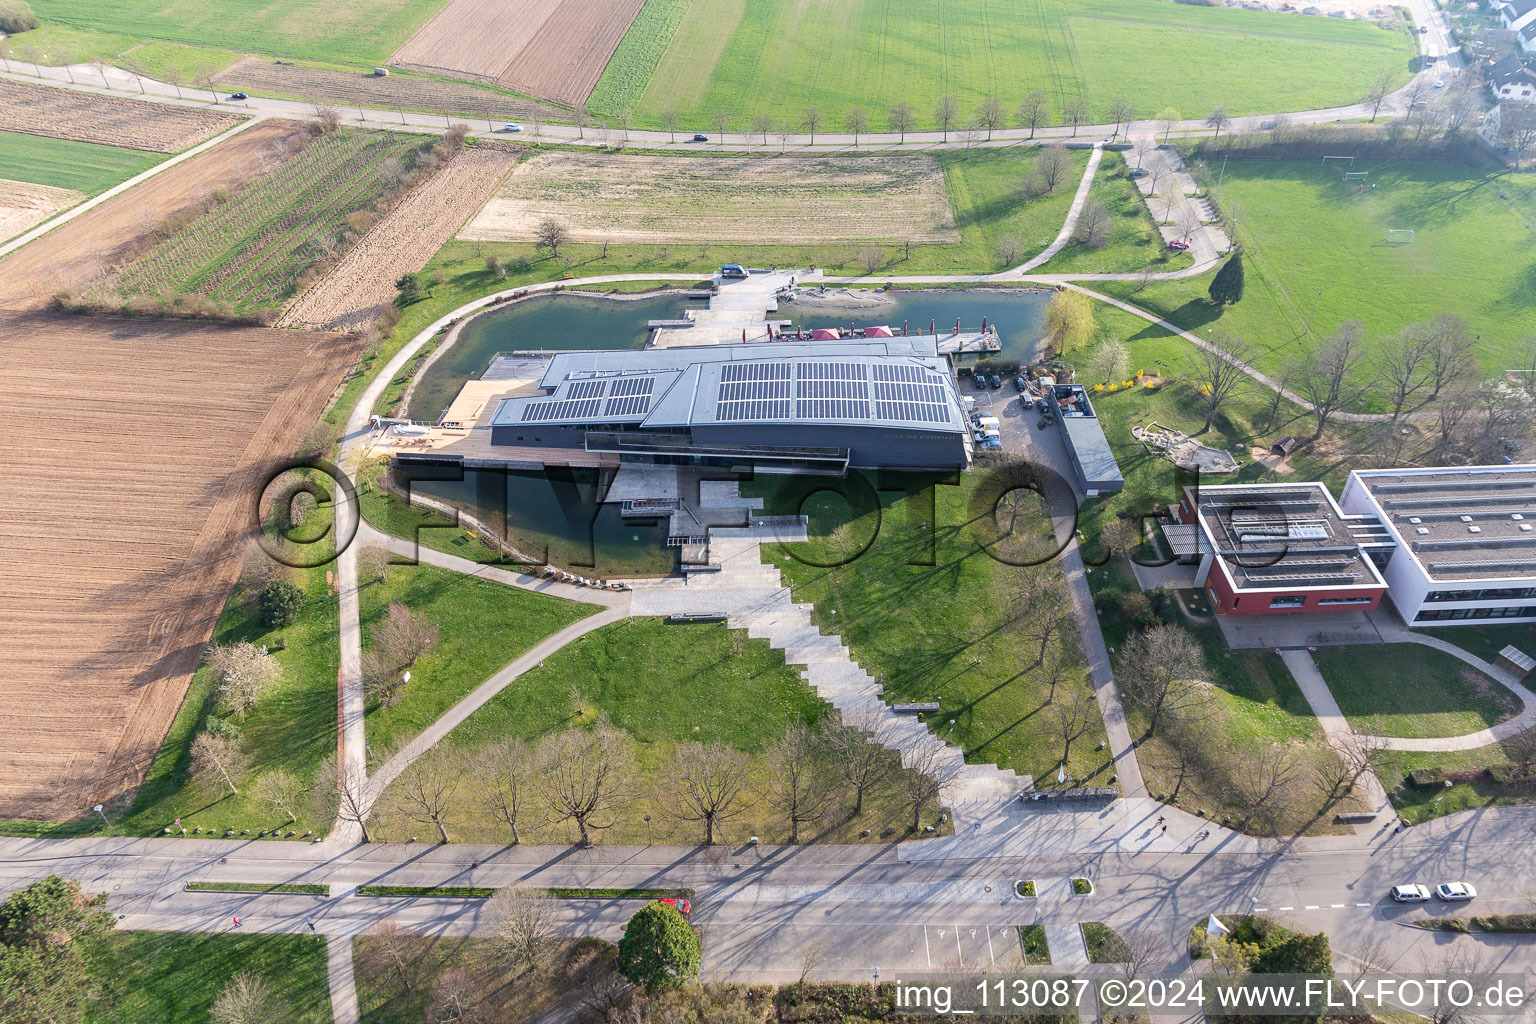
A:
<point x="280" y="602"/>
<point x="658" y="949"/>
<point x="1427" y="777"/>
<point x="17" y="16"/>
<point x="1505" y="923"/>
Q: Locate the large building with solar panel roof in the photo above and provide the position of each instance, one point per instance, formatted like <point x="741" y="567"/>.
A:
<point x="880" y="403"/>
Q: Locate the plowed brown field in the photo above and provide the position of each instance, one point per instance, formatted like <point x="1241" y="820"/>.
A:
<point x="363" y="282"/>
<point x="110" y="120"/>
<point x="23" y="204"/>
<point x="564" y="60"/>
<point x="555" y="49"/>
<point x="132" y="465"/>
<point x="79" y="254"/>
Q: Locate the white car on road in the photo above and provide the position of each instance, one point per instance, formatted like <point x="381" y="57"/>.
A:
<point x="1455" y="891"/>
<point x="1410" y="893"/>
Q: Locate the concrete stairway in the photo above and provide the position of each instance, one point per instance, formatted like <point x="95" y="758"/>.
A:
<point x="753" y="597"/>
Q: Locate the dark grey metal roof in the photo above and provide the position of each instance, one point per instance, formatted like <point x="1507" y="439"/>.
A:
<point x="901" y="383"/>
<point x="1476" y="522"/>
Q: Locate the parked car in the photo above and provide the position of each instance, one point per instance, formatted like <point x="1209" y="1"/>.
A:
<point x="981" y="381"/>
<point x="995" y="380"/>
<point x="699" y="138"/>
<point x="511" y="126"/>
<point x="733" y="271"/>
<point x="238" y="96"/>
<point x="1439" y="83"/>
<point x="1140" y="172"/>
<point x="677" y="903"/>
<point x="1018" y="384"/>
<point x="1178" y="245"/>
<point x="1423" y="30"/>
<point x="1414" y="893"/>
<point x="1455" y="891"/>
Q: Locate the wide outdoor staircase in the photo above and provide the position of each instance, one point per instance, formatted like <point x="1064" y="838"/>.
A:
<point x="753" y="597"/>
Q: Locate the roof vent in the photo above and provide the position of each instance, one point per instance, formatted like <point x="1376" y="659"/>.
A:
<point x="1516" y="516"/>
<point x="1474" y="529"/>
<point x="1525" y="527"/>
<point x="1466" y="519"/>
<point x="1414" y="519"/>
<point x="1422" y="531"/>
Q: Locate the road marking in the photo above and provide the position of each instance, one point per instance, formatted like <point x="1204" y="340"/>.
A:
<point x="1287" y="908"/>
<point x="1261" y="910"/>
<point x="990" y="951"/>
<point x="1362" y="904"/>
<point x="1336" y="906"/>
<point x="926" y="951"/>
<point x="1310" y="906"/>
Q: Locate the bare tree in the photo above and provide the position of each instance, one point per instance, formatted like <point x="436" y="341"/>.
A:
<point x="242" y="672"/>
<point x="404" y="635"/>
<point x="215" y="758"/>
<point x="1462" y="961"/>
<point x="989" y="115"/>
<point x="373" y="563"/>
<point x="1330" y="378"/>
<point x="1072" y="716"/>
<point x="811" y="118"/>
<point x="1160" y="669"/>
<point x="1141" y="145"/>
<point x="857" y="123"/>
<point x="387" y="949"/>
<point x="871" y="258"/>
<point x="459" y="996"/>
<point x="1403" y="362"/>
<point x="327" y="119"/>
<point x="901" y="118"/>
<point x="248" y="998"/>
<point x="1452" y="354"/>
<point x="551" y="234"/>
<point x="583" y="775"/>
<point x="1034" y="112"/>
<point x="797" y="786"/>
<point x="1168" y="119"/>
<point x="762" y="124"/>
<point x="505" y="772"/>
<point x="1009" y="249"/>
<point x="1217" y="373"/>
<point x="524" y="919"/>
<point x="721" y="120"/>
<point x="1521" y="750"/>
<point x="383" y="682"/>
<point x="856" y="751"/>
<point x="425" y="790"/>
<point x="930" y="767"/>
<point x="343" y="794"/>
<point x="1183" y="742"/>
<point x="1414" y="95"/>
<point x="713" y="781"/>
<point x="669" y="119"/>
<point x="1052" y="166"/>
<point x="812" y="953"/>
<point x="945" y="110"/>
<point x="1376" y="96"/>
<point x="1358" y="755"/>
<point x="1263" y="779"/>
<point x="1040" y="603"/>
<point x="785" y="133"/>
<point x="281" y="790"/>
<point x="1121" y="113"/>
<point x="1075" y="112"/>
<point x="1217" y="119"/>
<point x="1094" y="225"/>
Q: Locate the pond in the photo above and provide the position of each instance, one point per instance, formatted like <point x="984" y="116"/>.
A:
<point x="548" y="322"/>
<point x="1019" y="315"/>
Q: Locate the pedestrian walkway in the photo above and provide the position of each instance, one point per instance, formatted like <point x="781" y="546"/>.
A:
<point x="754" y="598"/>
<point x="1337" y="731"/>
<point x="338" y="963"/>
<point x="1065" y="941"/>
<point x="738" y="311"/>
<point x="1070" y="224"/>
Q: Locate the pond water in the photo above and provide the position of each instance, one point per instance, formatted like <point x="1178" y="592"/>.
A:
<point x="549" y="322"/>
<point x="1019" y="315"/>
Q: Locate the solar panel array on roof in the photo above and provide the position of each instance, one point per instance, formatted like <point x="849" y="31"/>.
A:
<point x="832" y="371"/>
<point x="629" y="396"/>
<point x="581" y="408"/>
<point x="754" y="371"/>
<point x="832" y="408"/>
<point x="586" y="389"/>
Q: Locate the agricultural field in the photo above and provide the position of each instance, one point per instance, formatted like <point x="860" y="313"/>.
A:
<point x="347" y="31"/>
<point x="259" y="76"/>
<point x="729" y="199"/>
<point x="24" y="205"/>
<point x="76" y="166"/>
<point x="79" y="255"/>
<point x="777" y="56"/>
<point x="555" y="49"/>
<point x="408" y="236"/>
<point x="108" y="120"/>
<point x="112" y="590"/>
<point x="1316" y="254"/>
<point x="249" y="249"/>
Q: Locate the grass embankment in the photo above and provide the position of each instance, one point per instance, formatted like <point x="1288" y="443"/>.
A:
<point x="82" y="166"/>
<point x="160" y="977"/>
<point x="1472" y="785"/>
<point x="1100" y="51"/>
<point x="1316" y="254"/>
<point x="663" y="684"/>
<point x="926" y="609"/>
<point x="1133" y="244"/>
<point x="1416" y="690"/>
<point x="482" y="626"/>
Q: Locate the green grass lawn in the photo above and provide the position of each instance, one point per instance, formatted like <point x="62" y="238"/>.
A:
<point x="1418" y="804"/>
<point x="778" y="56"/>
<point x="365" y="33"/>
<point x="925" y="610"/>
<point x="1485" y="640"/>
<point x="1316" y="255"/>
<point x="1134" y="243"/>
<point x="482" y="626"/>
<point x="82" y="166"/>
<point x="174" y="977"/>
<point x="57" y="43"/>
<point x="1417" y="690"/>
<point x="1105" y="946"/>
<point x="663" y="684"/>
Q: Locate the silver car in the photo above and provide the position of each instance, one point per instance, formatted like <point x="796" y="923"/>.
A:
<point x="1455" y="891"/>
<point x="1410" y="893"/>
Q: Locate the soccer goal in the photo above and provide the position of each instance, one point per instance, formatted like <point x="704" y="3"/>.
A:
<point x="1348" y="161"/>
<point x="1400" y="235"/>
<point x="1356" y="175"/>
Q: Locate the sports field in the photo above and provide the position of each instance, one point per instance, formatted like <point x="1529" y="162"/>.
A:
<point x="1317" y="254"/>
<point x="359" y="31"/>
<point x="77" y="166"/>
<point x="778" y="56"/>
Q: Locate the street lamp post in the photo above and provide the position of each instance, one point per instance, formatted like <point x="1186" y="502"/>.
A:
<point x="647" y="830"/>
<point x="103" y="814"/>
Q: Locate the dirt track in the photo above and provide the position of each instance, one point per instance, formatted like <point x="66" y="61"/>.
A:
<point x="131" y="469"/>
<point x="23" y="204"/>
<point x="353" y="293"/>
<point x="110" y="120"/>
<point x="79" y="254"/>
